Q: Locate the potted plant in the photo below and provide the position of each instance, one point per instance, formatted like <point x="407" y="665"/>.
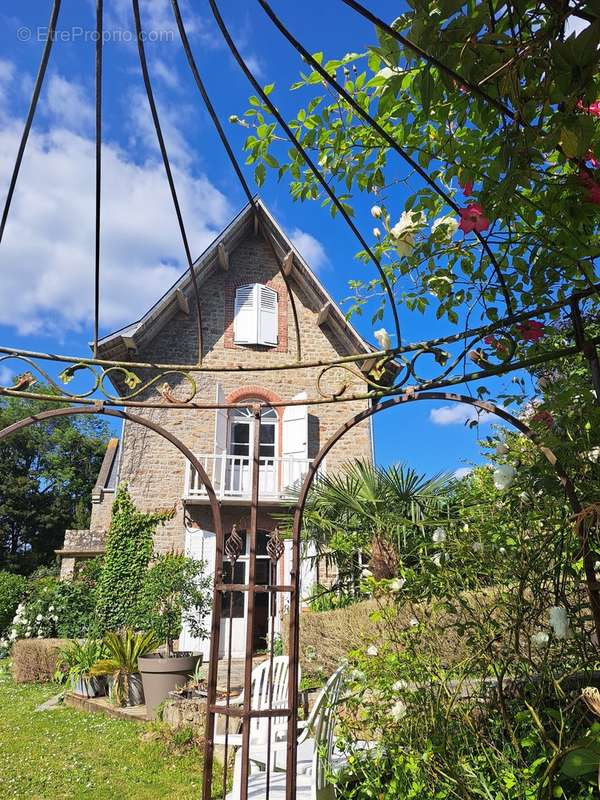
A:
<point x="121" y="666"/>
<point x="75" y="663"/>
<point x="175" y="590"/>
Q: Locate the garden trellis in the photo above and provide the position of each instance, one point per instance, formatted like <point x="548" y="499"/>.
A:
<point x="409" y="372"/>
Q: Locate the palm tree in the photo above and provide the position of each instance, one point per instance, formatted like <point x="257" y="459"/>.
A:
<point x="376" y="511"/>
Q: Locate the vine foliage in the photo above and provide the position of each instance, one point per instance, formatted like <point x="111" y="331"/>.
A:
<point x="129" y="548"/>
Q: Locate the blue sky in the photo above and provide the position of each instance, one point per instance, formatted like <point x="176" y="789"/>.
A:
<point x="46" y="259"/>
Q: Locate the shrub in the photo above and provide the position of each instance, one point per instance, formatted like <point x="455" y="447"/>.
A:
<point x="128" y="552"/>
<point x="12" y="591"/>
<point x="175" y="589"/>
<point x="35" y="660"/>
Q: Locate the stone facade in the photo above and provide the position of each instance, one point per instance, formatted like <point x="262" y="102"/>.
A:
<point x="154" y="469"/>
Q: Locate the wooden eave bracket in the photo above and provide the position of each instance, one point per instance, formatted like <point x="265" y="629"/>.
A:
<point x="182" y="302"/>
<point x="324" y="315"/>
<point x="287" y="263"/>
<point x="223" y="257"/>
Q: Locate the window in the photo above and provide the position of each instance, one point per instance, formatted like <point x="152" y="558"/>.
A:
<point x="255" y="315"/>
<point x="241" y="423"/>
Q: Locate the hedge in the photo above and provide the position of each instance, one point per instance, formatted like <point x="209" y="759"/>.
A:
<point x="35" y="660"/>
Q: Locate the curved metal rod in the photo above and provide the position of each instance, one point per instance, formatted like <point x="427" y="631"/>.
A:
<point x="389" y="139"/>
<point x="70" y="411"/>
<point x="396" y="351"/>
<point x="99" y="46"/>
<point x="430" y="59"/>
<point x="31" y="113"/>
<point x="167" y="165"/>
<point x="214" y="507"/>
<point x="236" y="166"/>
<point x="308" y="160"/>
<point x="294" y="625"/>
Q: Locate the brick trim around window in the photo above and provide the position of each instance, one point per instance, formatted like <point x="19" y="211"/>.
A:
<point x="282" y="318"/>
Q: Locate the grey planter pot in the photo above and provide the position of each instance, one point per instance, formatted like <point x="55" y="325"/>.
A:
<point x="161" y="675"/>
<point x="136" y="690"/>
<point x="90" y="687"/>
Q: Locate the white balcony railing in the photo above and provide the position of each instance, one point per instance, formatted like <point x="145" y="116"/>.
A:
<point x="231" y="476"/>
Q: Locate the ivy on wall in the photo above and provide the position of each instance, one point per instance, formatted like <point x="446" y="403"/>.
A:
<point x="129" y="548"/>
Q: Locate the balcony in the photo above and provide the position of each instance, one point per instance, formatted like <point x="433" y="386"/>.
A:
<point x="231" y="476"/>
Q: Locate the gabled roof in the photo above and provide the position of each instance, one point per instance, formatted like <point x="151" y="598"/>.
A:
<point x="119" y="345"/>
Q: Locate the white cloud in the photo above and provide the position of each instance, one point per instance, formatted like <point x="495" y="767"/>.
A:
<point x="67" y="104"/>
<point x="254" y="65"/>
<point x="166" y="73"/>
<point x="456" y="414"/>
<point x="310" y="248"/>
<point x="6" y="376"/>
<point x="46" y="258"/>
<point x="144" y="133"/>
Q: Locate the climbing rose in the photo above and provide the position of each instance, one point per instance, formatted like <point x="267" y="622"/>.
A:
<point x="504" y="476"/>
<point x="593" y="189"/>
<point x="448" y="226"/>
<point x="531" y="331"/>
<point x="376" y="212"/>
<point x="593" y="108"/>
<point x="472" y="218"/>
<point x="559" y="622"/>
<point x="468" y="188"/>
<point x="377" y="233"/>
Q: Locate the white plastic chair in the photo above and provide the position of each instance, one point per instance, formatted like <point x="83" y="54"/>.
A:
<point x="316" y="757"/>
<point x="262" y="697"/>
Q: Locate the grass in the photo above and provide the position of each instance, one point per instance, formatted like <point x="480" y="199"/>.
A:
<point x="65" y="753"/>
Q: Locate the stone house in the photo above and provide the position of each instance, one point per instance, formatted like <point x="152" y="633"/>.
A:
<point x="247" y="321"/>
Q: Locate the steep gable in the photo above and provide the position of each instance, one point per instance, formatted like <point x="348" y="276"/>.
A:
<point x="224" y="265"/>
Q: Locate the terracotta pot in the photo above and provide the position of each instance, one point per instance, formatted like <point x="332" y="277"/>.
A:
<point x="161" y="675"/>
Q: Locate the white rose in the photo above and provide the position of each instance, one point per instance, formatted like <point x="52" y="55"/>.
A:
<point x="502" y="551"/>
<point x="559" y="622"/>
<point x="439" y="535"/>
<point x="376" y="212"/>
<point x="504" y="476"/>
<point x="39" y="618"/>
<point x="397" y="584"/>
<point x="377" y="233"/>
<point x="383" y="338"/>
<point x="405" y="246"/>
<point x="372" y="650"/>
<point x="540" y="639"/>
<point x="27" y="634"/>
<point x="398" y="711"/>
<point x="448" y="225"/>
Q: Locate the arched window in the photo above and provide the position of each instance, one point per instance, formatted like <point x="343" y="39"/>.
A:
<point x="255" y="315"/>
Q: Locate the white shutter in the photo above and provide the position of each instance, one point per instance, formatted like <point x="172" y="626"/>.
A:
<point x="295" y="441"/>
<point x="220" y="448"/>
<point x="245" y="315"/>
<point x="267" y="316"/>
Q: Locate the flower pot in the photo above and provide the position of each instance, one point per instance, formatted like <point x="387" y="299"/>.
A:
<point x="135" y="696"/>
<point x="85" y="687"/>
<point x="161" y="675"/>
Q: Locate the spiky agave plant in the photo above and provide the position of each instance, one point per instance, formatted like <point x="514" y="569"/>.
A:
<point x="125" y="648"/>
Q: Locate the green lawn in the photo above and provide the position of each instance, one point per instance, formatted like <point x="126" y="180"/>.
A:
<point x="68" y="754"/>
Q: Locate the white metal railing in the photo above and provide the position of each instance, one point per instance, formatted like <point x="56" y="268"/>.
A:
<point x="231" y="476"/>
